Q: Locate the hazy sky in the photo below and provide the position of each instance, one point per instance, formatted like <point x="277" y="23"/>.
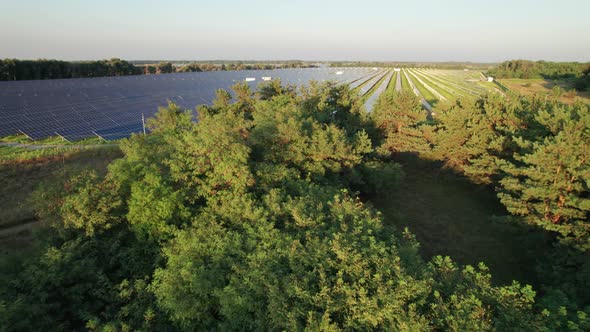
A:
<point x="384" y="30"/>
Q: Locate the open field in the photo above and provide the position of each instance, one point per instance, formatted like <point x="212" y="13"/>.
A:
<point x="543" y="87"/>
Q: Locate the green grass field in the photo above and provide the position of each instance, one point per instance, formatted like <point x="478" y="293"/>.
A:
<point x="542" y="87"/>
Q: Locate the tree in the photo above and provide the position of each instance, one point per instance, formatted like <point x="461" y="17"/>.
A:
<point x="165" y="67"/>
<point x="246" y="220"/>
<point x="402" y="121"/>
<point x="471" y="137"/>
<point x="549" y="182"/>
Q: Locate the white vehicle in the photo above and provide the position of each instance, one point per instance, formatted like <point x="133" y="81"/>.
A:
<point x="339" y="72"/>
<point x="250" y="79"/>
<point x="266" y="78"/>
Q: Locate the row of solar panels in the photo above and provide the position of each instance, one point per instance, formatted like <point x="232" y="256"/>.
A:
<point x="113" y="107"/>
<point x="370" y="102"/>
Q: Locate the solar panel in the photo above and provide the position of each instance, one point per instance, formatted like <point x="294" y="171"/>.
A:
<point x="112" y="107"/>
<point x="373" y="98"/>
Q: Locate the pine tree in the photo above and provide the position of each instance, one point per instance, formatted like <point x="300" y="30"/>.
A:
<point x="550" y="185"/>
<point x="401" y="119"/>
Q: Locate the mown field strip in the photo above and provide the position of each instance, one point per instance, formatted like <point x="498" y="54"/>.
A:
<point x="425" y="104"/>
<point x="428" y="87"/>
<point x="443" y="88"/>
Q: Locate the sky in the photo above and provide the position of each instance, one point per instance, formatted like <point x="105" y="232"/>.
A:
<point x="323" y="30"/>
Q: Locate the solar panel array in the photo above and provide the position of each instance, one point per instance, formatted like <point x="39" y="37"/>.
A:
<point x="355" y="84"/>
<point x="371" y="83"/>
<point x="113" y="107"/>
<point x="380" y="89"/>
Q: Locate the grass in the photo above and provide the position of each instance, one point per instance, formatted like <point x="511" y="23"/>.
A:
<point x="453" y="217"/>
<point x="443" y="89"/>
<point x="53" y="140"/>
<point x="10" y="153"/>
<point x="45" y="148"/>
<point x="430" y="98"/>
<point x="544" y="87"/>
<point x="405" y="84"/>
<point x="391" y="86"/>
<point x="20" y="177"/>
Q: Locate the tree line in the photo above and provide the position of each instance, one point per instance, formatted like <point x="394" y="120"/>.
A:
<point x="252" y="219"/>
<point x="533" y="152"/>
<point x="539" y="69"/>
<point x="15" y="70"/>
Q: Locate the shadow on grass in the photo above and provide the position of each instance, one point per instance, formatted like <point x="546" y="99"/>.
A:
<point x="451" y="216"/>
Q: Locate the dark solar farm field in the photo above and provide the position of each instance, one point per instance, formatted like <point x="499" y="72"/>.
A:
<point x="113" y="107"/>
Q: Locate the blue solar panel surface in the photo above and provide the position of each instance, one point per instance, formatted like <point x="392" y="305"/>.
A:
<point x="112" y="107"/>
<point x="370" y="102"/>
